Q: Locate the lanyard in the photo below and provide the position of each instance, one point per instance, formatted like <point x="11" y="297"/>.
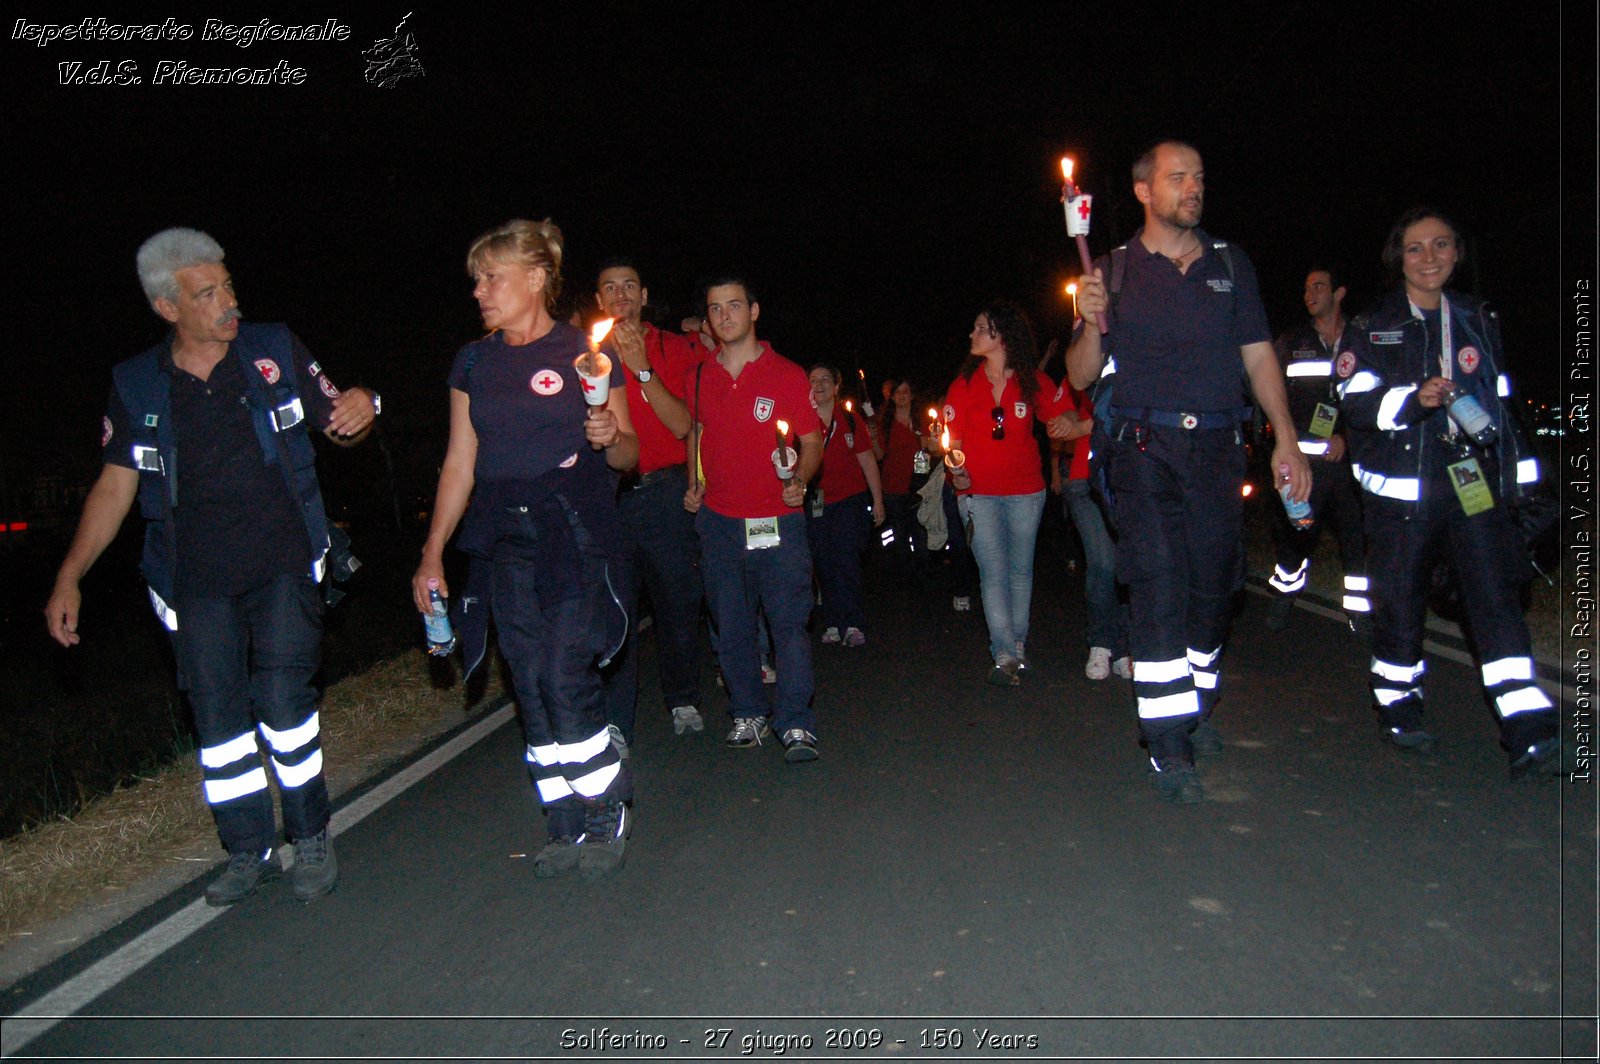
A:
<point x="1447" y="360"/>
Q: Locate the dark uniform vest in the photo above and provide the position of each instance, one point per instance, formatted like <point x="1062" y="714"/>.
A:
<point x="145" y="389"/>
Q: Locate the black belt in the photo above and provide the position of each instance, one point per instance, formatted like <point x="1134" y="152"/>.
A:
<point x="1178" y="419"/>
<point x="656" y="475"/>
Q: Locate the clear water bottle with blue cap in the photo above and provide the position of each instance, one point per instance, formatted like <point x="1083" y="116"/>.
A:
<point x="1470" y="416"/>
<point x="436" y="622"/>
<point x="1300" y="515"/>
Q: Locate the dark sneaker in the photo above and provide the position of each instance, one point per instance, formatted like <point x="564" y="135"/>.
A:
<point x="799" y="745"/>
<point x="1279" y="612"/>
<point x="1409" y="737"/>
<point x="1177" y="781"/>
<point x="246" y="871"/>
<point x="748" y="731"/>
<point x="316" y="870"/>
<point x="1539" y="760"/>
<point x="558" y="857"/>
<point x="1205" y="739"/>
<point x="605" y="840"/>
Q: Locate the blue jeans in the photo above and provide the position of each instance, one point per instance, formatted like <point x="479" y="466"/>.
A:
<point x="741" y="585"/>
<point x="1004" y="531"/>
<point x="1107" y="622"/>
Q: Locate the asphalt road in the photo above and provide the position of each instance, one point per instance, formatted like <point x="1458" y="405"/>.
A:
<point x="967" y="873"/>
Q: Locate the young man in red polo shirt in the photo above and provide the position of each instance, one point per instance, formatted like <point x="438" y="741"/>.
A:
<point x="665" y="551"/>
<point x="754" y="554"/>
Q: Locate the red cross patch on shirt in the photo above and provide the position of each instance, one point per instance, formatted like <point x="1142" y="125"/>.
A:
<point x="546" y="382"/>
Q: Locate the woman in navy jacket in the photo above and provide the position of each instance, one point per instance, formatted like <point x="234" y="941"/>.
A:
<point x="1429" y="486"/>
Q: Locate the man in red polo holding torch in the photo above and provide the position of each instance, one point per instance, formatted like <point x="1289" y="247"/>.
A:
<point x="755" y="557"/>
<point x="665" y="549"/>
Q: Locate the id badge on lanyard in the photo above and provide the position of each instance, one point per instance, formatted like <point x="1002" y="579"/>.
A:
<point x="1323" y="420"/>
<point x="1472" y="487"/>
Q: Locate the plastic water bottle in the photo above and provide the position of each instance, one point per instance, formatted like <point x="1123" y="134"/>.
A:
<point x="436" y="622"/>
<point x="1300" y="515"/>
<point x="1469" y="414"/>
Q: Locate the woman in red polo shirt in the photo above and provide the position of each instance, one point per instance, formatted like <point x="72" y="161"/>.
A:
<point x="837" y="512"/>
<point x="990" y="410"/>
<point x="900" y="442"/>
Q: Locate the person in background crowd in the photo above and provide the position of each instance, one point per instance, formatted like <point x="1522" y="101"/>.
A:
<point x="1307" y="354"/>
<point x="900" y="444"/>
<point x="1433" y="483"/>
<point x="537" y="465"/>
<point x="838" y="512"/>
<point x="1106" y="618"/>
<point x="665" y="548"/>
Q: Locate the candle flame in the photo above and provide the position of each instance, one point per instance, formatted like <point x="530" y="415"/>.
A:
<point x="783" y="427"/>
<point x="848" y="405"/>
<point x="932" y="413"/>
<point x="1066" y="168"/>
<point x="600" y="331"/>
<point x="1072" y="288"/>
<point x="944" y="440"/>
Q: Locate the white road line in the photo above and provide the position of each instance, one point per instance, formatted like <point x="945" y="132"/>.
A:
<point x="1554" y="688"/>
<point x="66" y="1000"/>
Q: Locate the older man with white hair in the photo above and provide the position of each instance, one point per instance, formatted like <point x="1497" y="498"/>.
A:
<point x="235" y="547"/>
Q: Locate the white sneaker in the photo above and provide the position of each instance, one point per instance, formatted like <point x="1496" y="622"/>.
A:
<point x="1123" y="667"/>
<point x="769" y="674"/>
<point x="1098" y="667"/>
<point x="830" y="636"/>
<point x="686" y="719"/>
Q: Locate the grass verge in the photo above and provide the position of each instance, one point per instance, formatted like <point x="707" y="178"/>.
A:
<point x="143" y="829"/>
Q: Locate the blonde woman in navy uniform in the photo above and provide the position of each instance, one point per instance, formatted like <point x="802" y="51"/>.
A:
<point x="536" y="465"/>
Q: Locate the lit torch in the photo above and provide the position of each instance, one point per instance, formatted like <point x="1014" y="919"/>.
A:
<point x="1076" y="204"/>
<point x="954" y="460"/>
<point x="781" y="458"/>
<point x="594" y="371"/>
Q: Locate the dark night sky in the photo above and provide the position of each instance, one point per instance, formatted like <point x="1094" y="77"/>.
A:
<point x="880" y="170"/>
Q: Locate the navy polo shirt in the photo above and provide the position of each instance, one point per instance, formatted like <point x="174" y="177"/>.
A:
<point x="1176" y="336"/>
<point x="527" y="403"/>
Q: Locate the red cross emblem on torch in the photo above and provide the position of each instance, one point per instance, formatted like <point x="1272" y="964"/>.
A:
<point x="1076" y="207"/>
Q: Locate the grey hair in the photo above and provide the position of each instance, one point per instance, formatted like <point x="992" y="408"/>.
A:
<point x="168" y="252"/>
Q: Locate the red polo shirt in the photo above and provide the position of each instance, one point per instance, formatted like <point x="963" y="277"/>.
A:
<point x="899" y="454"/>
<point x="669" y="356"/>
<point x="739" y="420"/>
<point x="1079" y="401"/>
<point x="842" y="475"/>
<point x="1008" y="466"/>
